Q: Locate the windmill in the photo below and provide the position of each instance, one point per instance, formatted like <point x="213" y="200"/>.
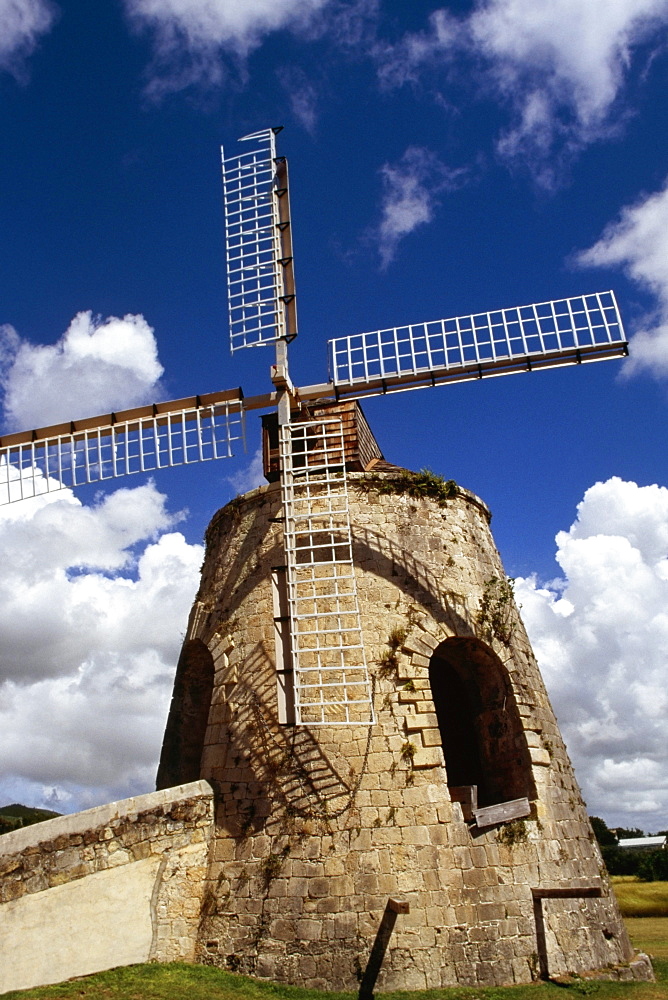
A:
<point x="331" y="680"/>
<point x="436" y="787"/>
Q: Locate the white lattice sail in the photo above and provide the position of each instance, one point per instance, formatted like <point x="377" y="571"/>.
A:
<point x="332" y="685"/>
<point x="255" y="242"/>
<point x="141" y="440"/>
<point x="542" y="335"/>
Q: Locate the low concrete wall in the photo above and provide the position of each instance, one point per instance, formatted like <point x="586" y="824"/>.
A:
<point x="114" y="885"/>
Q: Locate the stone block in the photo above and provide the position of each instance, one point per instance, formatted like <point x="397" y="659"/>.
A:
<point x="318" y="887"/>
<point x="386" y="835"/>
<point x="308" y="930"/>
<point x="428" y="757"/>
<point x="418" y="835"/>
<point x="424" y="646"/>
<point x="282" y="929"/>
<point x="431" y="737"/>
<point x="427" y="815"/>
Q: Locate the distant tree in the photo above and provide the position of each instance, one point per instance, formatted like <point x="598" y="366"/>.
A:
<point x="16" y="815"/>
<point x="619" y="861"/>
<point x="653" y="866"/>
<point x="603" y="834"/>
<point x="648" y="866"/>
<point x="627" y="834"/>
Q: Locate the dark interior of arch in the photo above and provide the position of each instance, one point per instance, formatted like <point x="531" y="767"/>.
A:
<point x="188" y="716"/>
<point x="481" y="729"/>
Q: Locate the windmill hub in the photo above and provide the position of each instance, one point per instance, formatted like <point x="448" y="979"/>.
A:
<point x="281" y="379"/>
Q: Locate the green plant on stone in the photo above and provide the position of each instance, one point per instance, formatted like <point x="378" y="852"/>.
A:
<point x="397" y="638"/>
<point x="247" y="821"/>
<point x="388" y="663"/>
<point x="495" y="618"/>
<point x="419" y="485"/>
<point x="389" y="660"/>
<point x="513" y="833"/>
<point x="270" y="866"/>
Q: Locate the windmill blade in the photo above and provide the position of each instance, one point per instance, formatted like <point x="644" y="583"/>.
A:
<point x="180" y="432"/>
<point x="543" y="335"/>
<point x="260" y="277"/>
<point x="331" y="681"/>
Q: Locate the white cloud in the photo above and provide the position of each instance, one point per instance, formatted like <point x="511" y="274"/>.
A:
<point x="93" y="601"/>
<point x="22" y="23"/>
<point x="638" y="243"/>
<point x="96" y="367"/>
<point x="403" y="62"/>
<point x="191" y="36"/>
<point x="250" y="477"/>
<point x="560" y="68"/>
<point x="302" y="95"/>
<point x="601" y="639"/>
<point x="411" y="189"/>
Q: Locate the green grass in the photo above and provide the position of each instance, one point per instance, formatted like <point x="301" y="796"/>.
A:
<point x="649" y="934"/>
<point x="177" y="981"/>
<point x="640" y="899"/>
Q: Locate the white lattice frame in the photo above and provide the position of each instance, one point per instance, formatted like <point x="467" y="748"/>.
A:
<point x="332" y="685"/>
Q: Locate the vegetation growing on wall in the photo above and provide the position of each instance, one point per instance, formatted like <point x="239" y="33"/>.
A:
<point x="420" y="485"/>
<point x="495" y="618"/>
<point x="389" y="659"/>
<point x="513" y="833"/>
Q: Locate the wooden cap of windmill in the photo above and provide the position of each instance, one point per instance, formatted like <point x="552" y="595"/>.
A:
<point x="362" y="452"/>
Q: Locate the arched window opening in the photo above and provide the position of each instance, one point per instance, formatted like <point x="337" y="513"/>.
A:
<point x="188" y="717"/>
<point x="481" y="729"/>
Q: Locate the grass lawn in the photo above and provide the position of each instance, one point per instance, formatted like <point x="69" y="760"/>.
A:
<point x="649" y="934"/>
<point x="198" y="982"/>
<point x="640" y="899"/>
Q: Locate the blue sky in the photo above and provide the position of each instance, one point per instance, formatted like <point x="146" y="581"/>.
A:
<point x="444" y="159"/>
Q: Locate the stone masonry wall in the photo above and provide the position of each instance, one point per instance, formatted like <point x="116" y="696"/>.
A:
<point x="114" y="885"/>
<point x="316" y="829"/>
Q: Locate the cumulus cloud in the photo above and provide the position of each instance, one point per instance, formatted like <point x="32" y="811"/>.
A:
<point x="559" y="67"/>
<point x="190" y="37"/>
<point x="562" y="66"/>
<point x="22" y="23"/>
<point x="638" y="243"/>
<point x="411" y="189"/>
<point x="251" y="476"/>
<point x="601" y="638"/>
<point x="96" y="367"/>
<point x="92" y="604"/>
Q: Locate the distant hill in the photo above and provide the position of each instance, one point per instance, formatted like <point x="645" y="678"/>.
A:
<point x="14" y="816"/>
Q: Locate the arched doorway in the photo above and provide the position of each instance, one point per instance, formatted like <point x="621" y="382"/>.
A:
<point x="188" y="717"/>
<point x="481" y="729"/>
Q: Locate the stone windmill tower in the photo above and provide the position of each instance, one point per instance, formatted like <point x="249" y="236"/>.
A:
<point x="394" y="803"/>
<point x="394" y="800"/>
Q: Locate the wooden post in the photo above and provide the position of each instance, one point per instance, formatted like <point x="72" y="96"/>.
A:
<point x="373" y="966"/>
